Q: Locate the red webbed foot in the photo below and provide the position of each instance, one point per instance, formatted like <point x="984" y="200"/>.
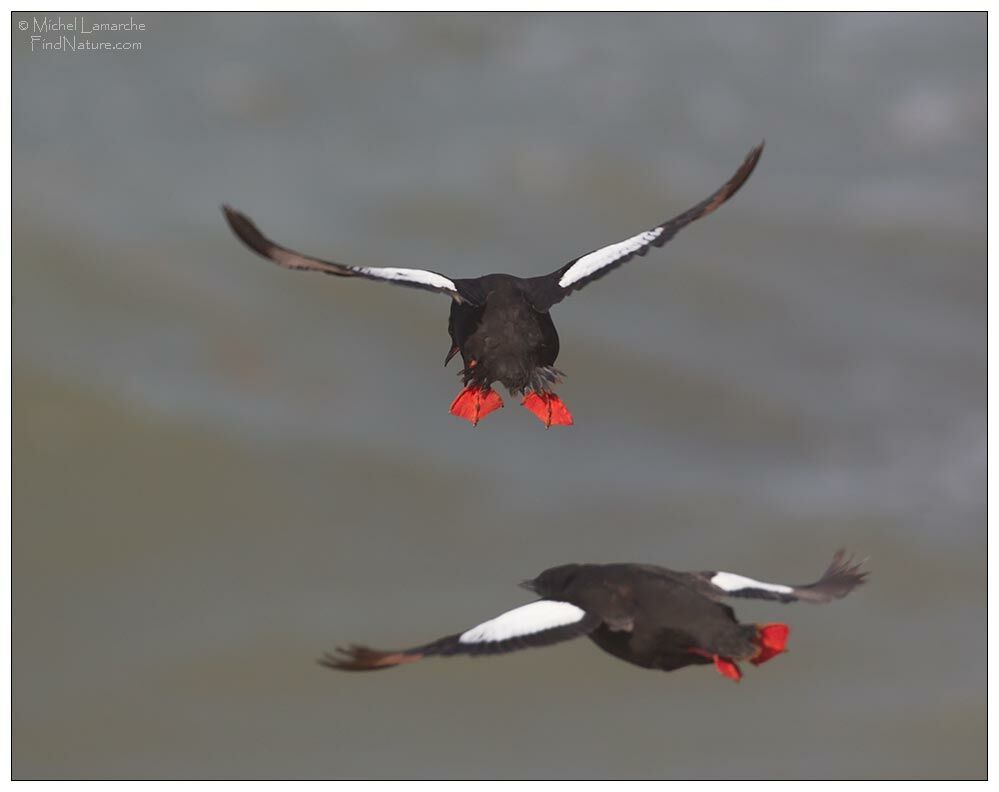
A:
<point x="771" y="640"/>
<point x="726" y="666"/>
<point x="475" y="403"/>
<point x="549" y="409"/>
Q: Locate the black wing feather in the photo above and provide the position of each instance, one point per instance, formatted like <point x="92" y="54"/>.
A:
<point x="841" y="577"/>
<point x="248" y="233"/>
<point x="551" y="292"/>
<point x="363" y="658"/>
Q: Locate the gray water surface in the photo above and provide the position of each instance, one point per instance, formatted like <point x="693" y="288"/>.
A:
<point x="222" y="469"/>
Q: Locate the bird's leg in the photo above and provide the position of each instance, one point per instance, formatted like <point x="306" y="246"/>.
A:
<point x="475" y="403"/>
<point x="548" y="407"/>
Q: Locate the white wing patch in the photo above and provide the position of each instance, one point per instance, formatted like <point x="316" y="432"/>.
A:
<point x="730" y="582"/>
<point x="525" y="620"/>
<point x="599" y="259"/>
<point x="408" y="275"/>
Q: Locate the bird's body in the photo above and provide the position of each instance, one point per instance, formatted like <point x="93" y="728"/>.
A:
<point x="501" y="324"/>
<point x="647" y="615"/>
<point x="661" y="637"/>
<point x="505" y="339"/>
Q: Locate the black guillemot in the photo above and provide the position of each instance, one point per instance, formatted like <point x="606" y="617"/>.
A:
<point x="646" y="615"/>
<point x="500" y="324"/>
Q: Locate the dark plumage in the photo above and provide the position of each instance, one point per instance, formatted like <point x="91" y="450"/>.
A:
<point x="500" y="324"/>
<point x="646" y="615"/>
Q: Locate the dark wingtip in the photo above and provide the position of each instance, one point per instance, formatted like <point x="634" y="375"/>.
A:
<point x="232" y="215"/>
<point x="361" y="658"/>
<point x="329" y="660"/>
<point x="731" y="187"/>
<point x="244" y="228"/>
<point x="749" y="164"/>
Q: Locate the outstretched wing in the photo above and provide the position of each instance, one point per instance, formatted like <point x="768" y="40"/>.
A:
<point x="540" y="623"/>
<point x="843" y="576"/>
<point x="576" y="274"/>
<point x="250" y="235"/>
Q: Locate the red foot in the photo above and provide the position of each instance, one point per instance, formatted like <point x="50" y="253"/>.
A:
<point x="549" y="408"/>
<point x="725" y="666"/>
<point x="728" y="668"/>
<point x="771" y="638"/>
<point x="475" y="403"/>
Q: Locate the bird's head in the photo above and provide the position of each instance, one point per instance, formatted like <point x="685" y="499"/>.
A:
<point x="554" y="582"/>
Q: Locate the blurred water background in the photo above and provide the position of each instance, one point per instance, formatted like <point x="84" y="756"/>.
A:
<point x="222" y="469"/>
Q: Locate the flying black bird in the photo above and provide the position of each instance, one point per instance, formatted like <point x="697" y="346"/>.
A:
<point x="501" y="324"/>
<point x="647" y="615"/>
